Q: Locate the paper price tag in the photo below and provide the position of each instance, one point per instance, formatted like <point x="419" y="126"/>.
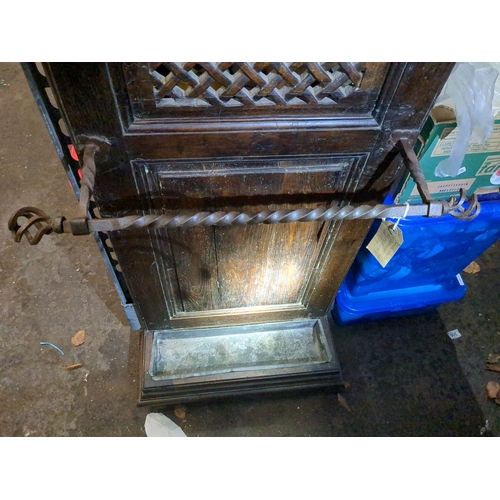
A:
<point x="385" y="243"/>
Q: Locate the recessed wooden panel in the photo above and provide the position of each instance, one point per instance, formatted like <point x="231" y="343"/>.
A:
<point x="232" y="184"/>
<point x="235" y="267"/>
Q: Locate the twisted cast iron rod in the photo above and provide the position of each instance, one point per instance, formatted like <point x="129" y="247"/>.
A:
<point x="46" y="225"/>
<point x="265" y="217"/>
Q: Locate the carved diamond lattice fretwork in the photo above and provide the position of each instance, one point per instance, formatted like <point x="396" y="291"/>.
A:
<point x="231" y="84"/>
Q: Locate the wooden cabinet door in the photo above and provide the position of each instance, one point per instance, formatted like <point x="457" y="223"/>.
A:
<point x="245" y="137"/>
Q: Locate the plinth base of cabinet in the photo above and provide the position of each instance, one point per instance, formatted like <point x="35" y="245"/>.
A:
<point x="192" y="365"/>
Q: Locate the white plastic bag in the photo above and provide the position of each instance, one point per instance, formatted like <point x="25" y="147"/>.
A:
<point x="158" y="425"/>
<point x="470" y="90"/>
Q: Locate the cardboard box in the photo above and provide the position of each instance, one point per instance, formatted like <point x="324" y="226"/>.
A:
<point x="435" y="142"/>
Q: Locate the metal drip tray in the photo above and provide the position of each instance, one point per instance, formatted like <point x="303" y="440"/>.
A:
<point x="203" y="363"/>
<point x="209" y="352"/>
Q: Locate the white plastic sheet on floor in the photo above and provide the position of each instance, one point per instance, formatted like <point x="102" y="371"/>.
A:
<point x="158" y="425"/>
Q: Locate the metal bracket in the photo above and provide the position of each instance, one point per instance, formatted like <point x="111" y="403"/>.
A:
<point x="84" y="225"/>
<point x="89" y="146"/>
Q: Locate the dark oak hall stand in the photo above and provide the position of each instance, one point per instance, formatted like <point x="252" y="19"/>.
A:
<point x="234" y="309"/>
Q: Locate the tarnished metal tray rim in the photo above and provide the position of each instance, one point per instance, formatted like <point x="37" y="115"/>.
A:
<point x="184" y="356"/>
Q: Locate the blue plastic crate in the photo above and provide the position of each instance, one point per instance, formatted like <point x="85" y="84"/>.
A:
<point x="424" y="272"/>
<point x="383" y="304"/>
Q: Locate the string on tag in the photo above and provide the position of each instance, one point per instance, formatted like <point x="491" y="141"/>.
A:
<point x="404" y="216"/>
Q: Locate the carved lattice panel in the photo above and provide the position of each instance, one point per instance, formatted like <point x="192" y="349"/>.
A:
<point x="211" y="91"/>
<point x="253" y="84"/>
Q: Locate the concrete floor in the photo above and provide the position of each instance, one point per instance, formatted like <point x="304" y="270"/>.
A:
<point x="407" y="378"/>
